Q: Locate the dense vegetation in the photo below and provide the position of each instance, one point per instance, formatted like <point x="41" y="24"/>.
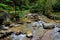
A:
<point x="46" y="7"/>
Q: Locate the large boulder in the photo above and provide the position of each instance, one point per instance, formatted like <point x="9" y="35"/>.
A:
<point x="3" y="27"/>
<point x="57" y="25"/>
<point x="48" y="25"/>
<point x="1" y="21"/>
<point x="3" y="16"/>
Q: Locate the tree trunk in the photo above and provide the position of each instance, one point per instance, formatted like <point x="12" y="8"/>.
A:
<point x="50" y="4"/>
<point x="14" y="3"/>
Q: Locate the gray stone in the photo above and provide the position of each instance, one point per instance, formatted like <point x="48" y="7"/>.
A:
<point x="48" y="25"/>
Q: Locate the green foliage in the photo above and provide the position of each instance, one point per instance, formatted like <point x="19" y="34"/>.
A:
<point x="22" y="13"/>
<point x="56" y="6"/>
<point x="0" y="14"/>
<point x="32" y="5"/>
<point x="54" y="2"/>
<point x="3" y="6"/>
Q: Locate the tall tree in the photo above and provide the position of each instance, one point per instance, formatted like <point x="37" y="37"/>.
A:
<point x="50" y="3"/>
